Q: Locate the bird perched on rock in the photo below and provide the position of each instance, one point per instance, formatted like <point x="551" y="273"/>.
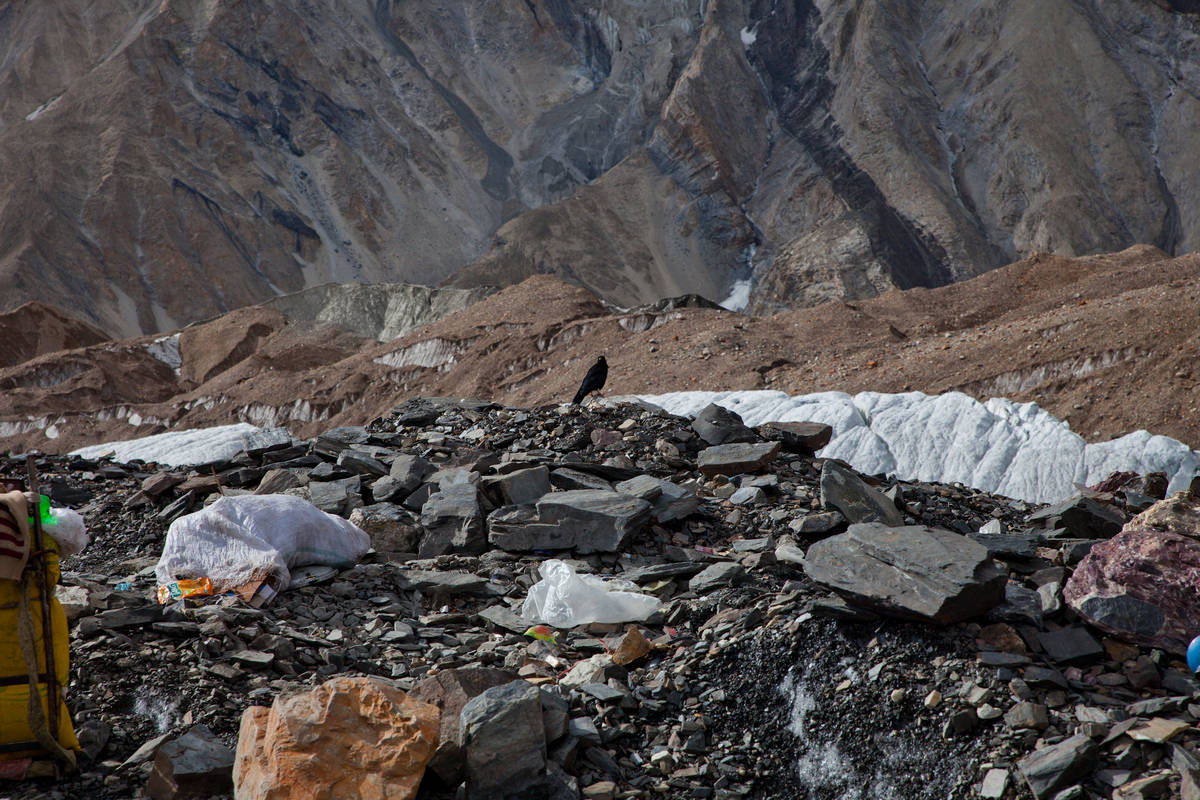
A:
<point x="593" y="381"/>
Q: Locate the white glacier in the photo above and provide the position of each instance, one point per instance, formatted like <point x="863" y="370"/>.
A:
<point x="1014" y="449"/>
<point x="1017" y="450"/>
<point x="197" y="446"/>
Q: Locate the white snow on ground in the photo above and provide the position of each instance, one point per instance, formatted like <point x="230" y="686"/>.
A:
<point x="1013" y="449"/>
<point x="200" y="446"/>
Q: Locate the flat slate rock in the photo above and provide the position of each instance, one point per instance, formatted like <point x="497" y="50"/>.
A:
<point x="718" y="425"/>
<point x="1070" y="645"/>
<point x="842" y="489"/>
<point x="736" y="459"/>
<point x="441" y="582"/>
<point x="669" y="500"/>
<point x="1082" y="518"/>
<point x="801" y="438"/>
<point x="1009" y="545"/>
<point x="912" y="572"/>
<point x="583" y="520"/>
<point x="658" y="572"/>
<point x="1058" y="766"/>
<point x="567" y="478"/>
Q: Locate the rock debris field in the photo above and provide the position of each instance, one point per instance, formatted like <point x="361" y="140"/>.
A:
<point x="817" y="633"/>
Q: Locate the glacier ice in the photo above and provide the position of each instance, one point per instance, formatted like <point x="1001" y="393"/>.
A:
<point x="196" y="446"/>
<point x="1018" y="450"/>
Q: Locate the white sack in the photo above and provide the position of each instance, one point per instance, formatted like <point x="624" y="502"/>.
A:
<point x="244" y="538"/>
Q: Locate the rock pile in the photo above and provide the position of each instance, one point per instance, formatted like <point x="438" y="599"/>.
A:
<point x="778" y="663"/>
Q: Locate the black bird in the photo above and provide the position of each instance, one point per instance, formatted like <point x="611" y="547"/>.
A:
<point x="593" y="381"/>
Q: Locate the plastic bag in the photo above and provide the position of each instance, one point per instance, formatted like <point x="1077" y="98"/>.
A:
<point x="66" y="527"/>
<point x="238" y="541"/>
<point x="564" y="599"/>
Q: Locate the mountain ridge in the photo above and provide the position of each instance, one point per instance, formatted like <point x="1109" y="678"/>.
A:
<point x="164" y="163"/>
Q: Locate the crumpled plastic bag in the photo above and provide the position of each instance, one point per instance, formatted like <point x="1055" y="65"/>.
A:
<point x="68" y="530"/>
<point x="244" y="539"/>
<point x="564" y="599"/>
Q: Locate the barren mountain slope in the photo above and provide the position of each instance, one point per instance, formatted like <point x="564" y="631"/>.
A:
<point x="34" y="329"/>
<point x="1107" y="342"/>
<point x="162" y="162"/>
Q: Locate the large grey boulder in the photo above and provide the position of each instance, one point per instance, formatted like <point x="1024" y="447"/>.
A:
<point x="671" y="501"/>
<point x="717" y="425"/>
<point x="735" y="459"/>
<point x="844" y="490"/>
<point x="453" y="521"/>
<point x="913" y="571"/>
<point x="504" y="737"/>
<point x="583" y="520"/>
<point x="450" y="690"/>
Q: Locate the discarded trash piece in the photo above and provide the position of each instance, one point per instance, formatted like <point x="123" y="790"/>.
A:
<point x="66" y="527"/>
<point x="1193" y="655"/>
<point x="123" y="586"/>
<point x="170" y="592"/>
<point x="703" y="549"/>
<point x="542" y="632"/>
<point x="564" y="599"/>
<point x="242" y="540"/>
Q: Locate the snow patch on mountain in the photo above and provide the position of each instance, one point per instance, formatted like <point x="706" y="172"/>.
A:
<point x="1018" y="450"/>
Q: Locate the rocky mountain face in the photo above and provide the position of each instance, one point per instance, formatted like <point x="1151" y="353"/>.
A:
<point x="163" y="162"/>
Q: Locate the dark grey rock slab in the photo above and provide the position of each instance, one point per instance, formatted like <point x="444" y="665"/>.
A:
<point x="842" y="489"/>
<point x="1070" y="645"/>
<point x="1081" y="518"/>
<point x="453" y="522"/>
<point x="801" y="438"/>
<point x="912" y="572"/>
<point x="718" y="425"/>
<point x="410" y="471"/>
<point x="658" y="572"/>
<point x="567" y="478"/>
<point x="1058" y="766"/>
<point x="504" y="738"/>
<point x="717" y="576"/>
<point x="670" y="501"/>
<point x="439" y="582"/>
<point x="818" y="523"/>
<point x="735" y="459"/>
<point x="583" y="520"/>
<point x="197" y="764"/>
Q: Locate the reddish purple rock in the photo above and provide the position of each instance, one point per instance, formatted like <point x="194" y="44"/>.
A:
<point x="1142" y="586"/>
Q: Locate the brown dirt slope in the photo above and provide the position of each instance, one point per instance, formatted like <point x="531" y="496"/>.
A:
<point x="34" y="329"/>
<point x="1107" y="342"/>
